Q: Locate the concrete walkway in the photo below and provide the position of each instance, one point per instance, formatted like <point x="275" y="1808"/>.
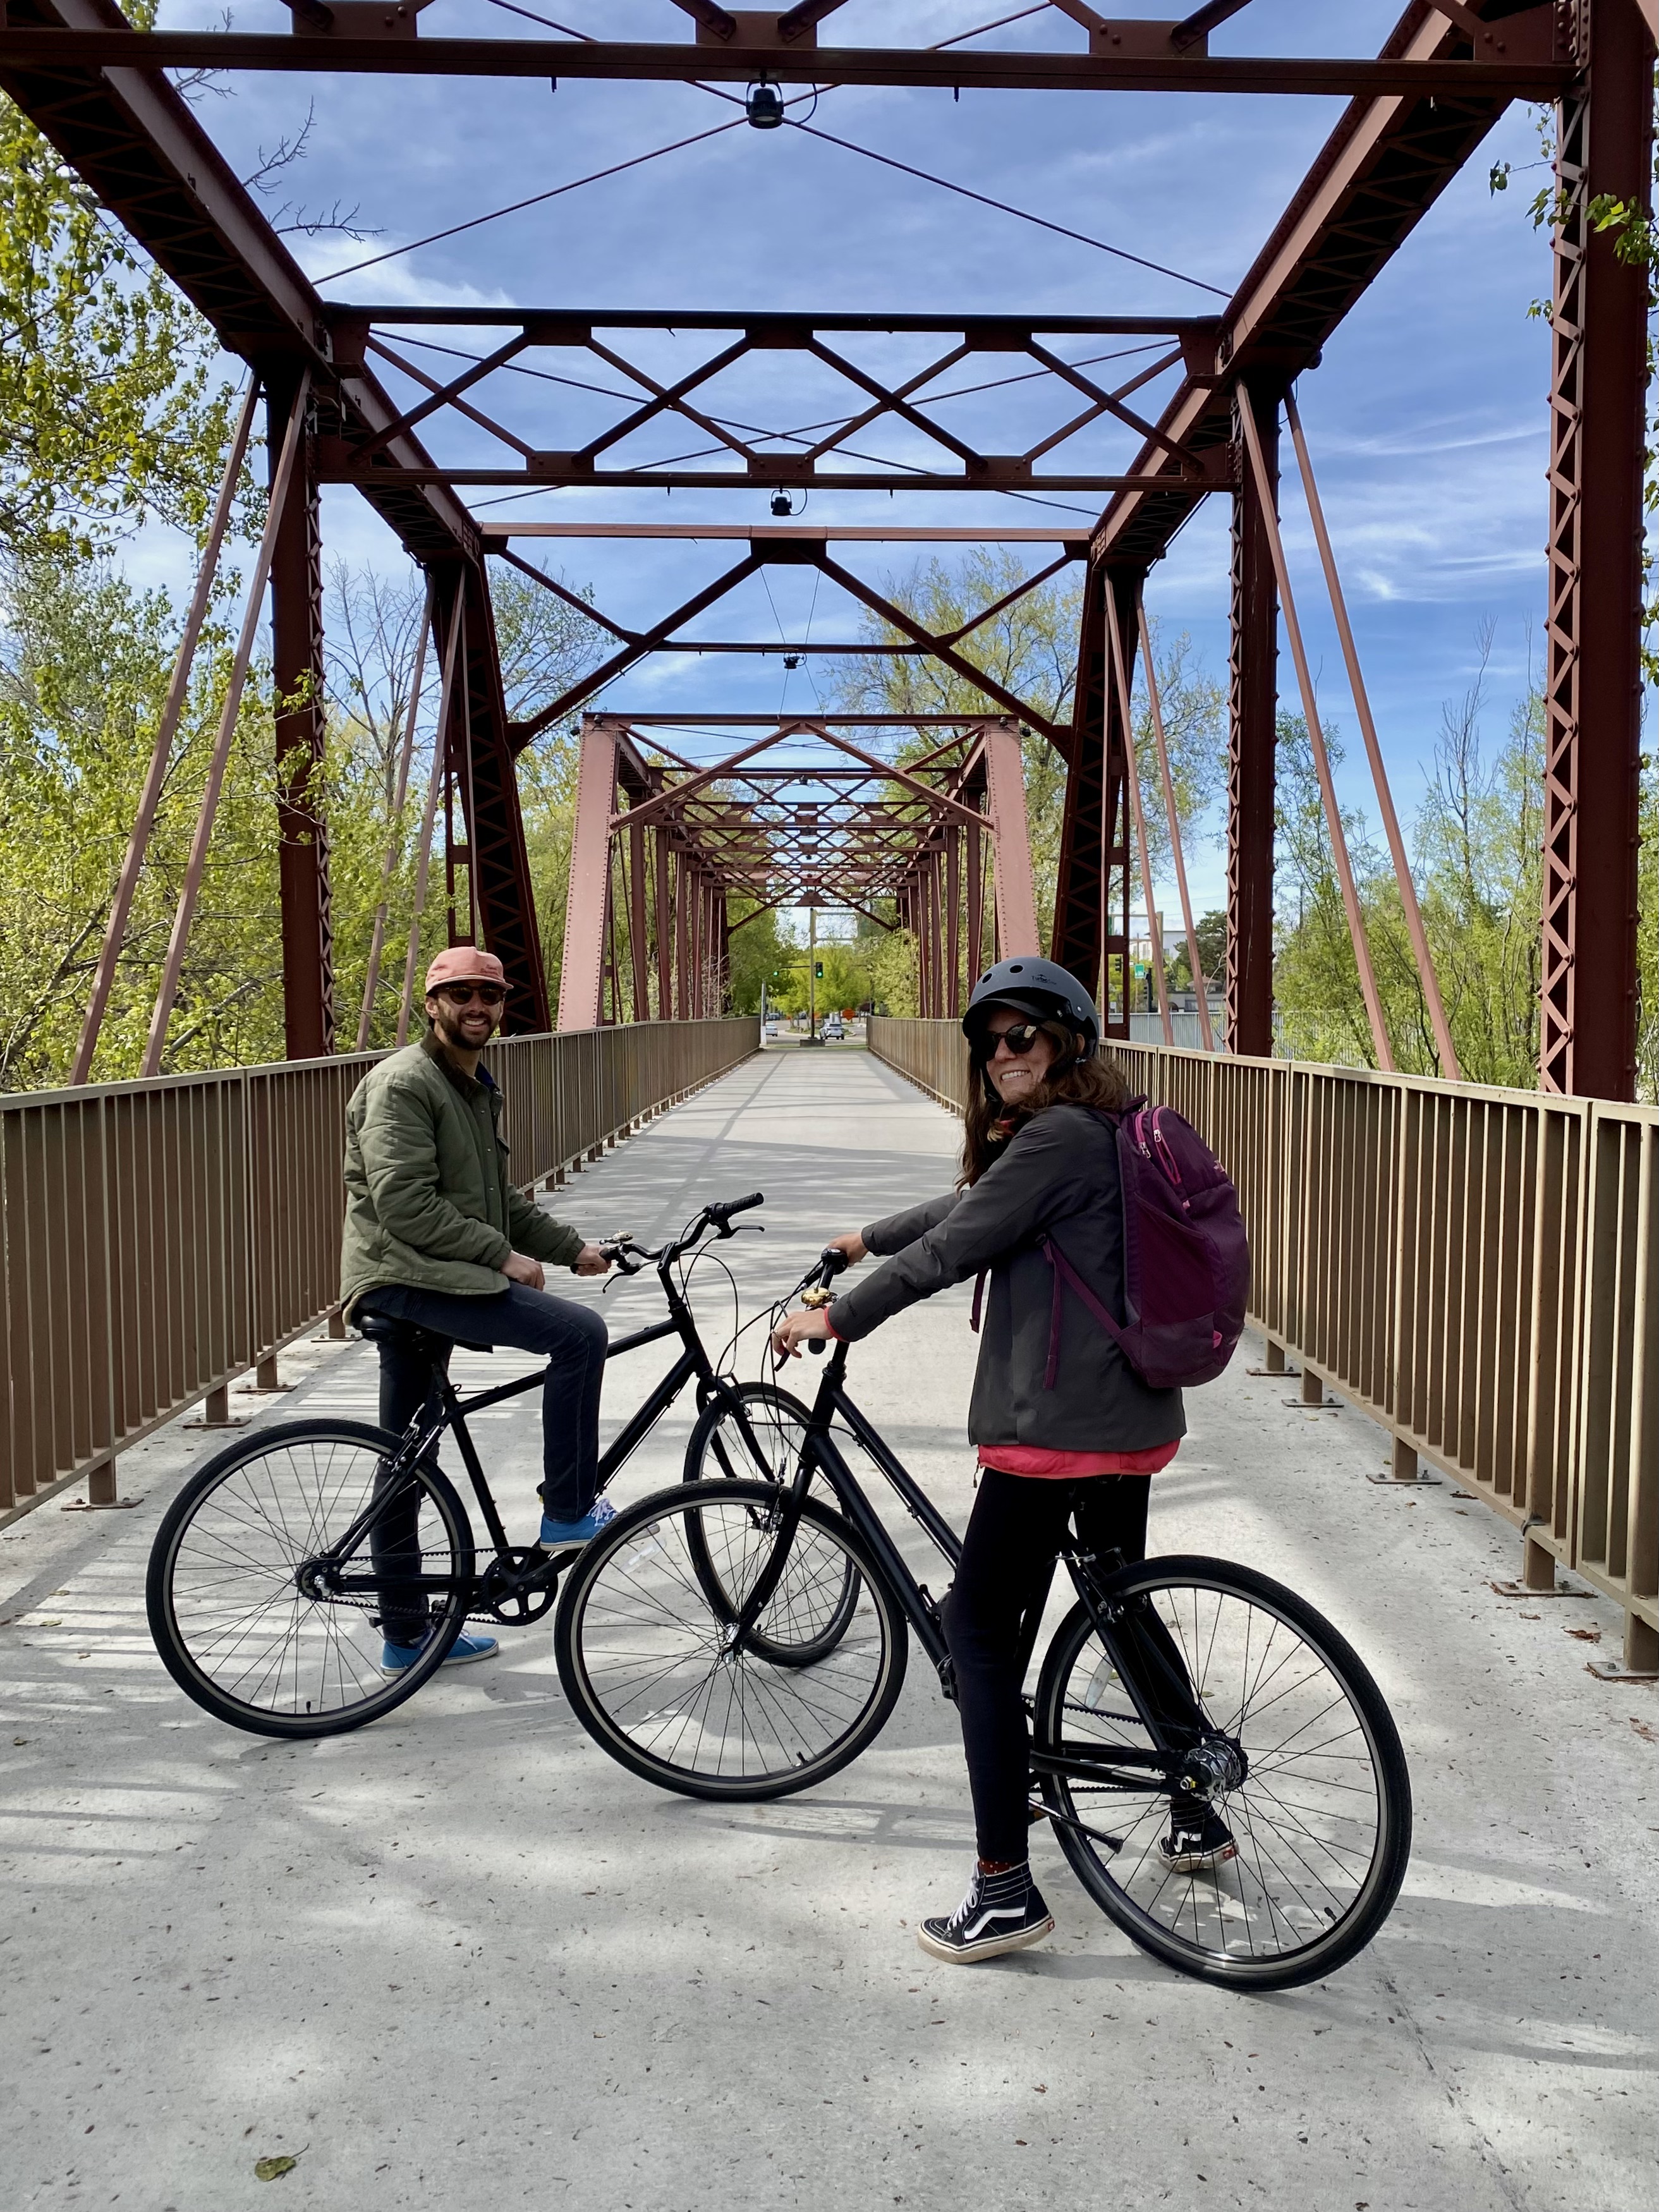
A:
<point x="461" y="1958"/>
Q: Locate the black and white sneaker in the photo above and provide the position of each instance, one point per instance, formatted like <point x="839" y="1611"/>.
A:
<point x="1185" y="1852"/>
<point x="1000" y="1912"/>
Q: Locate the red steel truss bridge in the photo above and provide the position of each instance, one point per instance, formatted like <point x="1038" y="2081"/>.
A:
<point x="418" y="406"/>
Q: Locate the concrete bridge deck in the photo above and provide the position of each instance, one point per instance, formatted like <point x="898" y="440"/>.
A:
<point x="462" y="1957"/>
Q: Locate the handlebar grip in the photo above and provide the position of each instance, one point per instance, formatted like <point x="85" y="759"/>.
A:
<point x="723" y="1209"/>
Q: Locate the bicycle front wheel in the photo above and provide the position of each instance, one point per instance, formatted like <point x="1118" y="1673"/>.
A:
<point x="261" y="1611"/>
<point x="1306" y="1776"/>
<point x="761" y="1437"/>
<point x="644" y="1637"/>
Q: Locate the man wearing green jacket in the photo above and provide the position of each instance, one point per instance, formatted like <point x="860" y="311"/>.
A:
<point x="436" y="1235"/>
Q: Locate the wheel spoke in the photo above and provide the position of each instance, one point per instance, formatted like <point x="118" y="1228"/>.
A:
<point x="1305" y="1807"/>
<point x="252" y="1642"/>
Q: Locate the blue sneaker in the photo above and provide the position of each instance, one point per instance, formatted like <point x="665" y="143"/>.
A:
<point x="395" y="1657"/>
<point x="560" y="1536"/>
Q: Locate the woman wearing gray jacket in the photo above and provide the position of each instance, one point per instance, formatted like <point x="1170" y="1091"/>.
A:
<point x="1065" y="1425"/>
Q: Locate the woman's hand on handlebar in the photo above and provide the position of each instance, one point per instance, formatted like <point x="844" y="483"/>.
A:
<point x="805" y="1323"/>
<point x="852" y="1244"/>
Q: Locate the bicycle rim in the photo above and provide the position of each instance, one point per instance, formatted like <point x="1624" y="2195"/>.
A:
<point x="1320" y="1815"/>
<point x="642" y="1646"/>
<point x="230" y="1610"/>
<point x="766" y="1445"/>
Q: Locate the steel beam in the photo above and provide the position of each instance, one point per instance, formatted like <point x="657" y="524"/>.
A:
<point x="1010" y="859"/>
<point x="1524" y="78"/>
<point x="1604" y="137"/>
<point x="582" y="977"/>
<point x="503" y="897"/>
<point x="496" y="534"/>
<point x="296" y="636"/>
<point x="1092" y="891"/>
<point x="1252" y="720"/>
<point x="773" y="326"/>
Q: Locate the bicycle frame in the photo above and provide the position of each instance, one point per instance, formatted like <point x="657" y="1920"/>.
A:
<point x="445" y="1410"/>
<point x="1125" y="1764"/>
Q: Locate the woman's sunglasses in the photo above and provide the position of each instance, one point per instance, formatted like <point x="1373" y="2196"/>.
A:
<point x="462" y="994"/>
<point x="1020" y="1039"/>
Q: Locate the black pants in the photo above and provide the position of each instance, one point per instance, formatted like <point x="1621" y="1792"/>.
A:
<point x="1013" y="1535"/>
<point x="572" y="1339"/>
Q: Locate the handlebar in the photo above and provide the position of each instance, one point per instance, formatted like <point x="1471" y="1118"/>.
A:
<point x="721" y="1211"/>
<point x="628" y="1258"/>
<point x="831" y="1263"/>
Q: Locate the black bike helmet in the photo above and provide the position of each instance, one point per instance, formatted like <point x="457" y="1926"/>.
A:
<point x="1038" y="988"/>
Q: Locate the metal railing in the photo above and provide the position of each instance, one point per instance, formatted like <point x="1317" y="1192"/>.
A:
<point x="158" y="1238"/>
<point x="1477" y="1270"/>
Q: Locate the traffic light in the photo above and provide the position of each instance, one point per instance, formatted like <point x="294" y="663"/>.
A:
<point x="818" y="969"/>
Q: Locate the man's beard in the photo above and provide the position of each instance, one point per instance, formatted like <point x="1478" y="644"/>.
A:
<point x="449" y="1034"/>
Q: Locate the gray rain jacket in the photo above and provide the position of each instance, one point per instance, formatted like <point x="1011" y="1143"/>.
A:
<point x="1059" y="1177"/>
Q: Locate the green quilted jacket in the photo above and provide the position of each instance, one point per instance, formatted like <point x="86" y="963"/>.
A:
<point x="429" y="1198"/>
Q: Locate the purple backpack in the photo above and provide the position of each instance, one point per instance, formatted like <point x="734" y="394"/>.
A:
<point x="1186" y="1256"/>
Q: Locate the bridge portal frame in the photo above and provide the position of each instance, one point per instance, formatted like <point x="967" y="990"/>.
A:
<point x="1417" y="114"/>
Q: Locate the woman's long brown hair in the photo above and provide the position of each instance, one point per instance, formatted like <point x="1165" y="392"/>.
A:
<point x="988" y="1124"/>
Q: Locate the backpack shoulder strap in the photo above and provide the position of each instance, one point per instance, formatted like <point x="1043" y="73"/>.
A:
<point x="1067" y="1276"/>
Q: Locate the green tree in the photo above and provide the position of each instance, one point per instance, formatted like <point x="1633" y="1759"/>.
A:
<point x="113" y="405"/>
<point x="761" y="955"/>
<point x="84" y="666"/>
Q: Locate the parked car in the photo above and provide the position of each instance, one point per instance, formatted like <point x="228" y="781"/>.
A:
<point x="833" y="1031"/>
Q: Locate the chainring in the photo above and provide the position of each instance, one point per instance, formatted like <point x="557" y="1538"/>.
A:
<point x="519" y="1586"/>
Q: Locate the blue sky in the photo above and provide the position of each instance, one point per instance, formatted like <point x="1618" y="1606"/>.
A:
<point x="1426" y="419"/>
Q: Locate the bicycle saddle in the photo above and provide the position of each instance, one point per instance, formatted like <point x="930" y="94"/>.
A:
<point x="385" y="1328"/>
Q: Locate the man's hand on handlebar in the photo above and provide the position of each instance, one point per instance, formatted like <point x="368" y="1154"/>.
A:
<point x="852" y="1244"/>
<point x="797" y="1328"/>
<point x="590" y="1261"/>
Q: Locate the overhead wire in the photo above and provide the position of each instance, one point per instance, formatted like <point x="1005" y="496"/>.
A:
<point x="888" y="160"/>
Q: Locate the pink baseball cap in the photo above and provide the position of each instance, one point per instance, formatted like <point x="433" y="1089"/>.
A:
<point x="464" y="963"/>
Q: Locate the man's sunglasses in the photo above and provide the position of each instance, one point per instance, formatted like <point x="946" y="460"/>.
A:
<point x="462" y="994"/>
<point x="1020" y="1039"/>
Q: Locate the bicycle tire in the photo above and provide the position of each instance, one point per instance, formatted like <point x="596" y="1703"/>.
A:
<point x="639" y="1647"/>
<point x="741" y="1467"/>
<point x="228" y="1619"/>
<point x="1296" y="1903"/>
<point x="734" y="1461"/>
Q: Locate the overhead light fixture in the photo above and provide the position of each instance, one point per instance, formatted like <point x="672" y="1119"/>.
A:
<point x="781" y="506"/>
<point x="764" y="106"/>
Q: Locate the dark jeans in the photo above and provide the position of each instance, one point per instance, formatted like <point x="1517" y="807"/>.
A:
<point x="1013" y="1535"/>
<point x="571" y="1338"/>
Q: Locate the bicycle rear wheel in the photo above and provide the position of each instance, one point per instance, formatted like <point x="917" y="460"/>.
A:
<point x="642" y="1640"/>
<point x="1307" y="1775"/>
<point x="257" y="1613"/>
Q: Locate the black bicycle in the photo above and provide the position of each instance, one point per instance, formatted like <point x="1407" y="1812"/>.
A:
<point x="272" y="1567"/>
<point x="1174" y="1692"/>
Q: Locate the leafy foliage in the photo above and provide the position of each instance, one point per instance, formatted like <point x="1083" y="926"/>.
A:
<point x="112" y="405"/>
<point x="1476" y="867"/>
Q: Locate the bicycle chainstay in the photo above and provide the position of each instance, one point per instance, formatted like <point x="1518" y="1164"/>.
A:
<point x="516" y="1589"/>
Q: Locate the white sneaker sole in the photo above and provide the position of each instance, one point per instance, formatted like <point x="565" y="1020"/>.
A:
<point x="989" y="1947"/>
<point x="1197" y="1861"/>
